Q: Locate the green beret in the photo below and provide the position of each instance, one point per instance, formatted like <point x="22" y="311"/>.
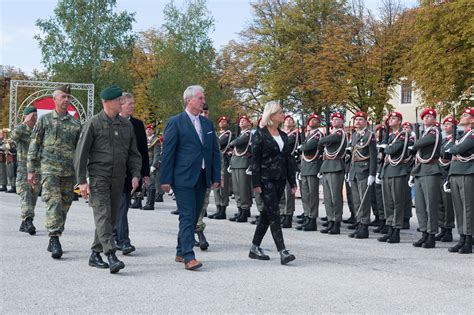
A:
<point x="65" y="88"/>
<point x="29" y="109"/>
<point x="111" y="93"/>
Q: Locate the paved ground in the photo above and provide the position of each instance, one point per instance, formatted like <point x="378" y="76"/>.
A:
<point x="331" y="273"/>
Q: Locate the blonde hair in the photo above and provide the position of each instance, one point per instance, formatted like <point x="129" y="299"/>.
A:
<point x="270" y="109"/>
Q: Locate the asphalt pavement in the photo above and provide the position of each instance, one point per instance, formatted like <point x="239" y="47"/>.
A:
<point x="331" y="274"/>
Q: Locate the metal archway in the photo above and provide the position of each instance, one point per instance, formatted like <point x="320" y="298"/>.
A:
<point x="47" y="89"/>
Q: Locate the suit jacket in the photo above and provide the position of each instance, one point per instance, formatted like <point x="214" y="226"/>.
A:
<point x="183" y="152"/>
<point x="268" y="162"/>
<point x="142" y="146"/>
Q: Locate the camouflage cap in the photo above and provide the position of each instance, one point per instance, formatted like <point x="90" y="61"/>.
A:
<point x="110" y="93"/>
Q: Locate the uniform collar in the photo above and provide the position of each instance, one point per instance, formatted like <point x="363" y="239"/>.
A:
<point x="56" y="115"/>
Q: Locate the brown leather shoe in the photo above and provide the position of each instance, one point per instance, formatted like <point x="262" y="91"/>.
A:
<point x="179" y="259"/>
<point x="192" y="265"/>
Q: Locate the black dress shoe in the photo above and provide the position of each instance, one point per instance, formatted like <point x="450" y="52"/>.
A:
<point x="459" y="244"/>
<point x="148" y="207"/>
<point x="95" y="260"/>
<point x="127" y="249"/>
<point x="176" y="212"/>
<point x="55" y="247"/>
<point x="114" y="264"/>
<point x="30" y="228"/>
<point x="257" y="253"/>
<point x="203" y="244"/>
<point x="286" y="257"/>
<point x="422" y="240"/>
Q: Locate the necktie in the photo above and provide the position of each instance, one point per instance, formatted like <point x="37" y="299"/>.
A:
<point x="197" y="126"/>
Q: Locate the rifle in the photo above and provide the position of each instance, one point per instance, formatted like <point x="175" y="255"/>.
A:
<point x="385" y="141"/>
<point x="327" y="112"/>
<point x="455" y="127"/>
<point x="302" y="131"/>
<point x="417" y="125"/>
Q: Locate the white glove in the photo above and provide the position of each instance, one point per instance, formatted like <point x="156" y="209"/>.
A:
<point x="298" y="176"/>
<point x="448" y="150"/>
<point x="349" y="149"/>
<point x="382" y="146"/>
<point x="346" y="177"/>
<point x="152" y="169"/>
<point x="370" y="180"/>
<point x="410" y="148"/>
<point x="378" y="180"/>
<point x="411" y="182"/>
<point x="446" y="187"/>
<point x="320" y="175"/>
<point x="299" y="147"/>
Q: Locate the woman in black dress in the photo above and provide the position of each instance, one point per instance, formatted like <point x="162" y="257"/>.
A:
<point x="272" y="166"/>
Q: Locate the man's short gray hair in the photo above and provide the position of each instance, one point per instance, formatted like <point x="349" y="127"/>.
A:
<point x="56" y="93"/>
<point x="127" y="95"/>
<point x="190" y="92"/>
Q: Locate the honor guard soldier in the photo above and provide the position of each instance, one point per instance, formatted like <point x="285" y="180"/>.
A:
<point x="409" y="199"/>
<point x="461" y="181"/>
<point x="362" y="173"/>
<point x="239" y="165"/>
<point x="332" y="171"/>
<point x="10" y="151"/>
<point x="379" y="221"/>
<point x="310" y="167"/>
<point x="28" y="196"/>
<point x="3" y="163"/>
<point x="221" y="194"/>
<point x="446" y="210"/>
<point x="154" y="192"/>
<point x="287" y="203"/>
<point x="394" y="176"/>
<point x="426" y="178"/>
<point x="51" y="154"/>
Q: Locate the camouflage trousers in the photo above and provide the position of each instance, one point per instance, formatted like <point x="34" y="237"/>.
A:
<point x="57" y="193"/>
<point x="201" y="226"/>
<point x="28" y="196"/>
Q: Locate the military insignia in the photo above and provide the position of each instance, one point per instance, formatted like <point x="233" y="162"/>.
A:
<point x="362" y="133"/>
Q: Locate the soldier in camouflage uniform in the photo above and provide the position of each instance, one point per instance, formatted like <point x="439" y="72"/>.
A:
<point x="362" y="172"/>
<point x="461" y="181"/>
<point x="310" y="166"/>
<point x="153" y="142"/>
<point x="395" y="170"/>
<point x="426" y="177"/>
<point x="28" y="196"/>
<point x="10" y="150"/>
<point x="107" y="149"/>
<point x="446" y="210"/>
<point x="51" y="154"/>
<point x="3" y="164"/>
<point x="332" y="171"/>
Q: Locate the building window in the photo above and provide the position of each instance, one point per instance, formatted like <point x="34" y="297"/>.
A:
<point x="406" y="92"/>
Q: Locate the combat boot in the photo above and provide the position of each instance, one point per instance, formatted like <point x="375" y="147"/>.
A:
<point x="420" y="242"/>
<point x="303" y="224"/>
<point x="218" y="210"/>
<point x="363" y="231"/>
<point x="203" y="244"/>
<point x="386" y="236"/>
<point x="55" y="247"/>
<point x="336" y="228"/>
<point x="95" y="260"/>
<point x="150" y="200"/>
<point x="353" y="234"/>
<point x="243" y="216"/>
<point x="237" y="215"/>
<point x="311" y="226"/>
<point x="430" y="241"/>
<point x="287" y="221"/>
<point x="30" y="228"/>
<point x="395" y="237"/>
<point x="114" y="263"/>
<point x="448" y="236"/>
<point x="376" y="221"/>
<point x="221" y="215"/>
<point x="459" y="244"/>
<point x="467" y="246"/>
<point x="440" y="235"/>
<point x="328" y="228"/>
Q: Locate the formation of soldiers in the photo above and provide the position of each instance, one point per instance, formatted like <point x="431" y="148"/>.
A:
<point x="380" y="166"/>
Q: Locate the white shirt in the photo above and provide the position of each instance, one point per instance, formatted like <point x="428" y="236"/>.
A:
<point x="279" y="140"/>
<point x="197" y="125"/>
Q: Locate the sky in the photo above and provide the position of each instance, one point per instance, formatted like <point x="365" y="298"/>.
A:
<point x="18" y="17"/>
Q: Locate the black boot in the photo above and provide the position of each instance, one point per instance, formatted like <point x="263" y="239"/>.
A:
<point x="30" y="228"/>
<point x="336" y="229"/>
<point x="311" y="226"/>
<point x="363" y="232"/>
<point x="328" y="228"/>
<point x="286" y="257"/>
<point x="137" y="203"/>
<point x="440" y="235"/>
<point x="386" y="236"/>
<point x="175" y="212"/>
<point x="467" y="246"/>
<point x="237" y="215"/>
<point x="459" y="244"/>
<point x="395" y="237"/>
<point x="203" y="244"/>
<point x="430" y="241"/>
<point x="3" y="188"/>
<point x="243" y="216"/>
<point x="23" y="227"/>
<point x="422" y="240"/>
<point x="218" y="210"/>
<point x="55" y="247"/>
<point x="114" y="263"/>
<point x="448" y="236"/>
<point x="12" y="190"/>
<point x="350" y="220"/>
<point x="353" y="234"/>
<point x="287" y="221"/>
<point x="95" y="260"/>
<point x="257" y="253"/>
<point x="159" y="198"/>
<point x="221" y="215"/>
<point x="150" y="200"/>
<point x="303" y="224"/>
<point x="406" y="224"/>
<point x="376" y="221"/>
<point x="383" y="229"/>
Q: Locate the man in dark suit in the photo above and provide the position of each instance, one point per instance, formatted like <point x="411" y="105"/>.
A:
<point x="121" y="232"/>
<point x="190" y="164"/>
